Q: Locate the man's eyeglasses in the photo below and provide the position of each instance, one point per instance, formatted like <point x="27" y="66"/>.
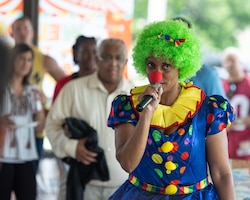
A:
<point x="109" y="59"/>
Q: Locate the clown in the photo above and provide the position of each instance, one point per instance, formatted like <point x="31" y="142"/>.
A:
<point x="167" y="147"/>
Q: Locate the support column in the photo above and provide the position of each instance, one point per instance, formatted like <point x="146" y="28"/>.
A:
<point x="31" y="10"/>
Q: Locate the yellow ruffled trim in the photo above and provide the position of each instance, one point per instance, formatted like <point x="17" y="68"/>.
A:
<point x="185" y="106"/>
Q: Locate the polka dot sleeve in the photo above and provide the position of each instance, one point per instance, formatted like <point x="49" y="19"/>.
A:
<point x="220" y="114"/>
<point x="121" y="112"/>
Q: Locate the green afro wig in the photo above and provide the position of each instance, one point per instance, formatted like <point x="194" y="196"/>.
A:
<point x="170" y="40"/>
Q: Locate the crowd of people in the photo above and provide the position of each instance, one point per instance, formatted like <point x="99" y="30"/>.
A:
<point x="177" y="147"/>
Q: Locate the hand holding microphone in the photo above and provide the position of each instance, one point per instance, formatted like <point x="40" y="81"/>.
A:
<point x="155" y="78"/>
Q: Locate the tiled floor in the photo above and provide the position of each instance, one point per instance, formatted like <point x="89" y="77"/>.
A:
<point x="48" y="175"/>
<point x="47" y="179"/>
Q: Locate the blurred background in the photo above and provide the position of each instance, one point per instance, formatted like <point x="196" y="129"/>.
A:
<point x="219" y="23"/>
<point x="57" y="23"/>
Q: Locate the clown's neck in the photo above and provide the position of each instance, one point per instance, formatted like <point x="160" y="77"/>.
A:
<point x="169" y="97"/>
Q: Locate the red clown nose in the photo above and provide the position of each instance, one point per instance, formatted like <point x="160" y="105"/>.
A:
<point x="155" y="77"/>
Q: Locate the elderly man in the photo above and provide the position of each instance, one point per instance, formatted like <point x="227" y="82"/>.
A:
<point x="89" y="98"/>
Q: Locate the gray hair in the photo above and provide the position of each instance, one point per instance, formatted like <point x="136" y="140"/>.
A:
<point x="232" y="51"/>
<point x="111" y="41"/>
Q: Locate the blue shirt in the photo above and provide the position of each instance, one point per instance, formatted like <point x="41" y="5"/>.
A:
<point x="209" y="81"/>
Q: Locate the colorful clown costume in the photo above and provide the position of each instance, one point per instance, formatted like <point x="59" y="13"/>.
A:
<point x="173" y="166"/>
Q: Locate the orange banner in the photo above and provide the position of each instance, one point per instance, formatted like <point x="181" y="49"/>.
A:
<point x="60" y="24"/>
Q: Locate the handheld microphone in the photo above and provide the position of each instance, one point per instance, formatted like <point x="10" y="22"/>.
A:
<point x="155" y="78"/>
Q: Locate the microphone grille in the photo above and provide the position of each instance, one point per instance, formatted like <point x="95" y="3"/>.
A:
<point x="155" y="77"/>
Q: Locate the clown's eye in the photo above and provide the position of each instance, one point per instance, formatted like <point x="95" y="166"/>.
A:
<point x="150" y="65"/>
<point x="167" y="67"/>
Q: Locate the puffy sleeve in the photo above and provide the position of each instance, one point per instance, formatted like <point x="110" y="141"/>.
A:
<point x="122" y="112"/>
<point x="220" y="114"/>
